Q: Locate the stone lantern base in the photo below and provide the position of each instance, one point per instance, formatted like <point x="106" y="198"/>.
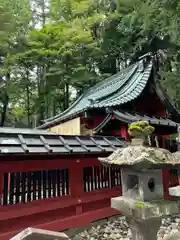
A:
<point x="144" y="218"/>
<point x="144" y="230"/>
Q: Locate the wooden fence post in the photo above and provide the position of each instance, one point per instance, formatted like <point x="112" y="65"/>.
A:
<point x="168" y="181"/>
<point x="76" y="182"/>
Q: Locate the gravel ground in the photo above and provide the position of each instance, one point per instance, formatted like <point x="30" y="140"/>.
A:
<point x="118" y="229"/>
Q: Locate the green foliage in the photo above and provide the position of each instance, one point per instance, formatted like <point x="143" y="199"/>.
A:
<point x="49" y="47"/>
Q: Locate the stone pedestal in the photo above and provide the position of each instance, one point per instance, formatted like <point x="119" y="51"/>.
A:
<point x="144" y="218"/>
<point x="144" y="230"/>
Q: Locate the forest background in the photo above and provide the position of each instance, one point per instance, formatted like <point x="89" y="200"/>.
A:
<point x="51" y="49"/>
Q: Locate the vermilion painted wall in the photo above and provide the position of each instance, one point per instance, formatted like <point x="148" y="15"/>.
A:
<point x="151" y="106"/>
<point x="93" y="122"/>
<point x="78" y="209"/>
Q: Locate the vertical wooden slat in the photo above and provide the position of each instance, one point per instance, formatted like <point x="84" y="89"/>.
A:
<point x="118" y="176"/>
<point x="29" y="186"/>
<point x="63" y="181"/>
<point x="95" y="177"/>
<point x="88" y="179"/>
<point x="5" y="190"/>
<point x="105" y="176"/>
<point x="44" y="178"/>
<point x="112" y="177"/>
<point x="34" y="186"/>
<point x="102" y="176"/>
<point x="53" y="174"/>
<point x="49" y="184"/>
<point x="12" y="188"/>
<point x="98" y="177"/>
<point x="108" y="177"/>
<point x="58" y="183"/>
<point x="23" y="186"/>
<point x="17" y="191"/>
<point x="85" y="179"/>
<point x="115" y="177"/>
<point x="91" y="179"/>
<point x="67" y="181"/>
<point x="39" y="180"/>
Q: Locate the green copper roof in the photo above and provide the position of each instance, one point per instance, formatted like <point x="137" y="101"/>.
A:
<point x="116" y="90"/>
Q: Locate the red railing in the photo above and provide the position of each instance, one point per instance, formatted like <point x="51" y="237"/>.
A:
<point x="58" y="194"/>
<point x="55" y="194"/>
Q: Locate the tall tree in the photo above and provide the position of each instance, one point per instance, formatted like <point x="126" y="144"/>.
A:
<point x="76" y="43"/>
<point x="15" y="16"/>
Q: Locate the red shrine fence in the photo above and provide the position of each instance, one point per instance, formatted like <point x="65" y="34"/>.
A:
<point x="55" y="194"/>
<point x="58" y="194"/>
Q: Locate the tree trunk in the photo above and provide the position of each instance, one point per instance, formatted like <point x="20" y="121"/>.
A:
<point x="4" y="109"/>
<point x="66" y="96"/>
<point x="5" y="102"/>
<point x="54" y="108"/>
<point x="43" y="14"/>
<point x="41" y="93"/>
<point x="28" y="98"/>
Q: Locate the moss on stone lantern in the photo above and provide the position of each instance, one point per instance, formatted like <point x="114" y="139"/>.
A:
<point x="140" y="129"/>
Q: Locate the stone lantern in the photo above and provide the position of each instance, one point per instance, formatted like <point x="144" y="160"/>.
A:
<point x="142" y="200"/>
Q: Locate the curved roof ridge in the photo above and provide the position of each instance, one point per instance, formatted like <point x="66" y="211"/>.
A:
<point x="116" y="85"/>
<point x="140" y="79"/>
<point x="111" y="79"/>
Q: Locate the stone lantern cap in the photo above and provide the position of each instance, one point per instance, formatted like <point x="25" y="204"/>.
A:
<point x="141" y="167"/>
<point x="141" y="157"/>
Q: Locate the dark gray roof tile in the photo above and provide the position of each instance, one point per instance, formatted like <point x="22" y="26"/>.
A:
<point x="8" y="130"/>
<point x="19" y="143"/>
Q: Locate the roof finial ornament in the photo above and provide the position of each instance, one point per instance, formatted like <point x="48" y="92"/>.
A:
<point x="143" y="60"/>
<point x="141" y="65"/>
<point x="147" y="55"/>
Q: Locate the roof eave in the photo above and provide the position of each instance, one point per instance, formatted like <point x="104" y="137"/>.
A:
<point x="59" y="120"/>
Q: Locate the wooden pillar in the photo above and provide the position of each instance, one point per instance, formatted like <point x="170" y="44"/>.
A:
<point x="124" y="132"/>
<point x="165" y="175"/>
<point x="76" y="182"/>
<point x="169" y="181"/>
